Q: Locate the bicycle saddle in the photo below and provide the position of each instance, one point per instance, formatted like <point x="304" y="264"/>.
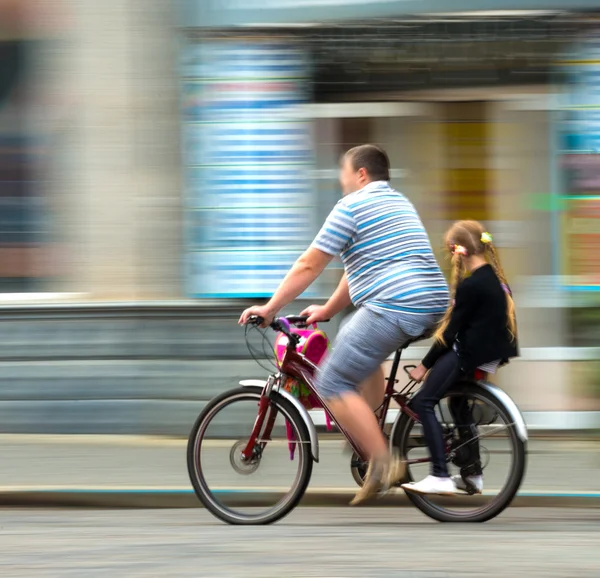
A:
<point x="413" y="340"/>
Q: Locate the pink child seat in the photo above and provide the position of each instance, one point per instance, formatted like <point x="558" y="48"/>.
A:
<point x="313" y="344"/>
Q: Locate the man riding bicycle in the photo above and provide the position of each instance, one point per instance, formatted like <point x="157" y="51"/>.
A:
<point x="391" y="276"/>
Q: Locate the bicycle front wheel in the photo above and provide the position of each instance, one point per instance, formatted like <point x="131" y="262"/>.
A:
<point x="493" y="444"/>
<point x="268" y="485"/>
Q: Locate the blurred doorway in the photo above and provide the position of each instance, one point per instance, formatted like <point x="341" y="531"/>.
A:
<point x="466" y="160"/>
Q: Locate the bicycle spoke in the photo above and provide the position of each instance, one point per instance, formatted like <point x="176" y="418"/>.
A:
<point x="469" y="418"/>
<point x="484" y="436"/>
<point x="242" y="483"/>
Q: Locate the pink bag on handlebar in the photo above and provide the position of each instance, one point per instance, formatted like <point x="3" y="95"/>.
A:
<point x="313" y="344"/>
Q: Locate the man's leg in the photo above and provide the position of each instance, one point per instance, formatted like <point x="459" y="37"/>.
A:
<point x="373" y="389"/>
<point x="359" y="350"/>
<point x="353" y="413"/>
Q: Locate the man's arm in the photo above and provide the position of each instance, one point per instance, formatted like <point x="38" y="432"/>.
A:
<point x="302" y="274"/>
<point x="340" y="298"/>
<point x="334" y="235"/>
<point x="336" y="303"/>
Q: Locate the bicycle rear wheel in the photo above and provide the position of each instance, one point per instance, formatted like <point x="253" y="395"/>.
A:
<point x="259" y="490"/>
<point x="502" y="455"/>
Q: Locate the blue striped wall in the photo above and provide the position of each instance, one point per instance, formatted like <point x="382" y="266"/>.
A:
<point x="248" y="156"/>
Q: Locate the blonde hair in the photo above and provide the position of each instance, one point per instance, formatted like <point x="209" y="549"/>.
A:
<point x="468" y="234"/>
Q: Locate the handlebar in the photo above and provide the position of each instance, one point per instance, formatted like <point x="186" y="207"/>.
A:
<point x="298" y="320"/>
<point x="283" y="323"/>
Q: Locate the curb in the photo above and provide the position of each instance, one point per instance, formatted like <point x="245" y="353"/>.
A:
<point x="153" y="498"/>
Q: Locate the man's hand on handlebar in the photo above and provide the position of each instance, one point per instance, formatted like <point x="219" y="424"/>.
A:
<point x="262" y="311"/>
<point x="316" y="313"/>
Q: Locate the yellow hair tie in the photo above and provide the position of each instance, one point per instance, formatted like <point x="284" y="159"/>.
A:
<point x="486" y="238"/>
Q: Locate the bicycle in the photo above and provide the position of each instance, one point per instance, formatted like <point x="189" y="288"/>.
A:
<point x="283" y="422"/>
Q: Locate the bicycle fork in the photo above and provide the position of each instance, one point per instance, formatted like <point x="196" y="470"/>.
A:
<point x="264" y="406"/>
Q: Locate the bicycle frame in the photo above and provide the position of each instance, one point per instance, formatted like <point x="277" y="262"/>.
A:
<point x="275" y="397"/>
<point x="295" y="365"/>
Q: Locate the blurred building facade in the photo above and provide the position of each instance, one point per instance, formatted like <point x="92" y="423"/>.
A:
<point x="184" y="156"/>
<point x="475" y="110"/>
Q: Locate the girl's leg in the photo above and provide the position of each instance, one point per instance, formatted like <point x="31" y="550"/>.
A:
<point x="463" y="418"/>
<point x="471" y="473"/>
<point x="443" y="374"/>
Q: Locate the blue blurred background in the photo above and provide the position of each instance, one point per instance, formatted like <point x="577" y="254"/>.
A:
<point x="163" y="164"/>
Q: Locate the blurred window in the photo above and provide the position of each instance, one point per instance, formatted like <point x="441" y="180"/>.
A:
<point x="22" y="240"/>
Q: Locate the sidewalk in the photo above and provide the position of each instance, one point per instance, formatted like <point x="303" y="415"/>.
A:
<point x="120" y="471"/>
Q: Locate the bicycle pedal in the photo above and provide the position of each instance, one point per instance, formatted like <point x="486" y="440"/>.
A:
<point x="460" y="492"/>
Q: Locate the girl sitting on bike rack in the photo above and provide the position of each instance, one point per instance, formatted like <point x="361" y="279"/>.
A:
<point x="477" y="331"/>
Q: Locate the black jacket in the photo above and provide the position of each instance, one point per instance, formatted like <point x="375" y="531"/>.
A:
<point x="478" y="323"/>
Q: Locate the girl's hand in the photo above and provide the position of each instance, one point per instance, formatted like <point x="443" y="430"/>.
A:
<point x="316" y="313"/>
<point x="418" y="373"/>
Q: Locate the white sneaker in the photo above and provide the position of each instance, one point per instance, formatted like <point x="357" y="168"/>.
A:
<point x="474" y="482"/>
<point x="432" y="485"/>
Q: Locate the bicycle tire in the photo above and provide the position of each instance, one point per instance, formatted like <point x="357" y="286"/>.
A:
<point x="401" y="436"/>
<point x="358" y="469"/>
<point x="304" y="453"/>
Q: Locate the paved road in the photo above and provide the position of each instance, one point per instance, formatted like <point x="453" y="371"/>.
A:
<point x="311" y="542"/>
<point x="103" y="461"/>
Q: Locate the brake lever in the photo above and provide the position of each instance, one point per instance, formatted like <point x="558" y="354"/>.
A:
<point x="255" y="320"/>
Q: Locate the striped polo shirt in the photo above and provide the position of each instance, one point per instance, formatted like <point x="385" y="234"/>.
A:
<point x="387" y="256"/>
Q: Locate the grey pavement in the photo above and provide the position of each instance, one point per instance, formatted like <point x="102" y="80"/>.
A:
<point x="311" y="542"/>
<point x="140" y="462"/>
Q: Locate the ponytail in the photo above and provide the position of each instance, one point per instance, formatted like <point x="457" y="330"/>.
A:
<point x="491" y="255"/>
<point x="457" y="275"/>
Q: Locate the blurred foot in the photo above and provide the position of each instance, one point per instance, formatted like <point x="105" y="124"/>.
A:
<point x="469" y="484"/>
<point x="432" y="485"/>
<point x="374" y="481"/>
<point x="347" y="448"/>
<point x="381" y="476"/>
<point x="396" y="470"/>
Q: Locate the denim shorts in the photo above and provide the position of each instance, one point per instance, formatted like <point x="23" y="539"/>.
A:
<point x="360" y="348"/>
